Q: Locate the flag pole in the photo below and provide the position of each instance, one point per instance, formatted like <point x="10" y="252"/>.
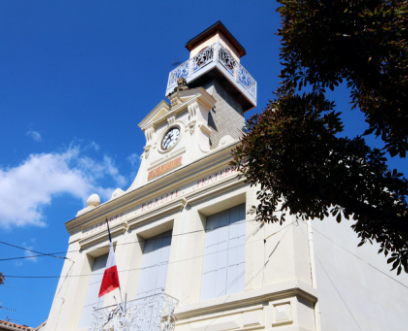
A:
<point x="120" y="290"/>
<point x="107" y="224"/>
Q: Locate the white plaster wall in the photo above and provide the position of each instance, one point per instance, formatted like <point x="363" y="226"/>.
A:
<point x="217" y="37"/>
<point x="281" y="265"/>
<point x="356" y="289"/>
<point x="184" y="277"/>
<point x="62" y="288"/>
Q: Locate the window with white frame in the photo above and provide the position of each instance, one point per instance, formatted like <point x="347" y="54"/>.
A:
<point x="224" y="254"/>
<point x="94" y="286"/>
<point x="155" y="260"/>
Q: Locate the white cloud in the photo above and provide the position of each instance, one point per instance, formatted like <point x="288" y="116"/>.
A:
<point x="29" y="253"/>
<point x="32" y="258"/>
<point x="92" y="145"/>
<point x="29" y="187"/>
<point x="35" y="135"/>
<point x="134" y="159"/>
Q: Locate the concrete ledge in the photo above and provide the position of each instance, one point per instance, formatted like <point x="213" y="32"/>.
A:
<point x="217" y="188"/>
<point x="277" y="291"/>
<point x="102" y="235"/>
<point x="158" y="212"/>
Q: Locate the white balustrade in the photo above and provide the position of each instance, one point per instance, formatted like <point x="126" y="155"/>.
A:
<point x="211" y="56"/>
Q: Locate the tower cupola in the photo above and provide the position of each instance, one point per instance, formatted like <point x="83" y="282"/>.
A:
<point x="215" y="54"/>
<point x="216" y="33"/>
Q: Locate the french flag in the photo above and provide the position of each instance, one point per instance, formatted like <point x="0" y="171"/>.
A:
<point x="110" y="280"/>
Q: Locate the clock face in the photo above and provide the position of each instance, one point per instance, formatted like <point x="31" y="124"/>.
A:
<point x="170" y="138"/>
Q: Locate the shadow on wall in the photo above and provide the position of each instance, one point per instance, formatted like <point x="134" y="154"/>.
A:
<point x="211" y="122"/>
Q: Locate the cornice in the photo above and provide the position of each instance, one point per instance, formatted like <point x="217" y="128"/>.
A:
<point x="130" y="199"/>
<point x="199" y="95"/>
<point x="218" y="188"/>
<point x="272" y="292"/>
<point x="162" y="211"/>
<point x="92" y="239"/>
<point x="221" y="313"/>
<point x="162" y="104"/>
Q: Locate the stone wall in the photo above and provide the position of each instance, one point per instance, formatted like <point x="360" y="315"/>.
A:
<point x="227" y="117"/>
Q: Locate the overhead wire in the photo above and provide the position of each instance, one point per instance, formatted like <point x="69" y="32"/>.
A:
<point x="33" y="251"/>
<point x="334" y="286"/>
<point x="200" y="256"/>
<point x="314" y="229"/>
<point x="253" y="277"/>
<point x="118" y="244"/>
<point x="26" y="257"/>
<point x="180" y="234"/>
<point x="62" y="284"/>
<point x="152" y="266"/>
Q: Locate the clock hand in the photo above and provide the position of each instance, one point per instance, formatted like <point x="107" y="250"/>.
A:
<point x="165" y="142"/>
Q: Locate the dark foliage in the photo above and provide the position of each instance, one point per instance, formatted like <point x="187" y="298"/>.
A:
<point x="291" y="148"/>
<point x="363" y="42"/>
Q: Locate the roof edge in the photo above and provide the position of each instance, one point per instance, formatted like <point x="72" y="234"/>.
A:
<point x="217" y="26"/>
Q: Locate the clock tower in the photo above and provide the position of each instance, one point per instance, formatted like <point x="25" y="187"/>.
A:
<point x="190" y="255"/>
<point x="208" y="95"/>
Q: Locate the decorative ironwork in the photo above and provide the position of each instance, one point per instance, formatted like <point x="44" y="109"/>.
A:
<point x="181" y="71"/>
<point x="246" y="80"/>
<point x="151" y="313"/>
<point x="227" y="60"/>
<point x="223" y="57"/>
<point x="203" y="58"/>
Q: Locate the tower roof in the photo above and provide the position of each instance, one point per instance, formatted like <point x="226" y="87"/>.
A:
<point x="218" y="26"/>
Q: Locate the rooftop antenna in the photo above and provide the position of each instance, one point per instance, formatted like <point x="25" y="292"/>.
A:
<point x="1" y="307"/>
<point x="8" y="319"/>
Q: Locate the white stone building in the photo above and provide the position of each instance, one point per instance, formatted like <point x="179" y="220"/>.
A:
<point x="190" y="256"/>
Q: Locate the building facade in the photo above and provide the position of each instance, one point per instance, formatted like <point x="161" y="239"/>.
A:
<point x="189" y="254"/>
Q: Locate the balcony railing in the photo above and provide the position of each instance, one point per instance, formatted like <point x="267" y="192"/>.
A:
<point x="151" y="313"/>
<point x="211" y="56"/>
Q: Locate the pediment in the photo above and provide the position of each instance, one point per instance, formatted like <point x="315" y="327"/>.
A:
<point x="186" y="95"/>
<point x="161" y="109"/>
<point x="160" y="112"/>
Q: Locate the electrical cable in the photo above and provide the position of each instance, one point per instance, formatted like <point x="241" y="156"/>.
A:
<point x="33" y="251"/>
<point x="243" y="274"/>
<point x="398" y="282"/>
<point x="26" y="257"/>
<point x="118" y="244"/>
<point x="134" y="269"/>
<point x="66" y="276"/>
<point x="331" y="281"/>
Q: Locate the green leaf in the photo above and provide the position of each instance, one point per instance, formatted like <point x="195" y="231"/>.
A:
<point x="399" y="270"/>
<point x="368" y="131"/>
<point x="395" y="264"/>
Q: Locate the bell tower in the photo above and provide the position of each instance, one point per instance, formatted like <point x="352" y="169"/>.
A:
<point x="215" y="64"/>
<point x="208" y="94"/>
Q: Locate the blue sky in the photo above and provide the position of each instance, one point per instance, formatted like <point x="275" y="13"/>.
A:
<point x="76" y="78"/>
